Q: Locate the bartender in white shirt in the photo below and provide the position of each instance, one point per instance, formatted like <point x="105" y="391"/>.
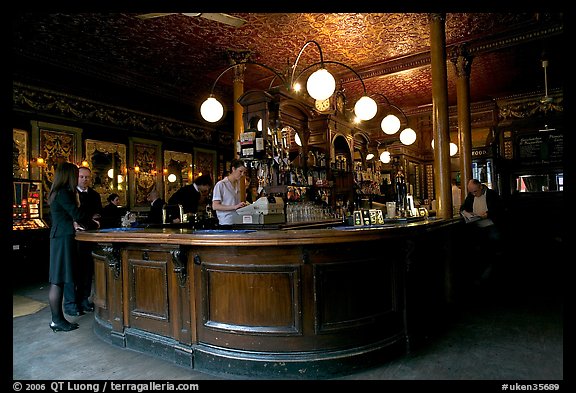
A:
<point x="226" y="194"/>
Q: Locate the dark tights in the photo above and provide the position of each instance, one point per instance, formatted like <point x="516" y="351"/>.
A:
<point x="55" y="296"/>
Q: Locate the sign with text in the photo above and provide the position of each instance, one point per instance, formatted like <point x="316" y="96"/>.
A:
<point x="541" y="148"/>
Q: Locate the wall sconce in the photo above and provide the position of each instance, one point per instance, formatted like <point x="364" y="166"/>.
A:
<point x="39" y="162"/>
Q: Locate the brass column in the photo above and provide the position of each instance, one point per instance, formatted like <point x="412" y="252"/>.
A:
<point x="462" y="64"/>
<point x="237" y="57"/>
<point x="440" y="120"/>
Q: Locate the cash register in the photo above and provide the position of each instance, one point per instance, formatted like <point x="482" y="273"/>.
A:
<point x="266" y="210"/>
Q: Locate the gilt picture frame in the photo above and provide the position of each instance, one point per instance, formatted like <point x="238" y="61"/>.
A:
<point x="177" y="171"/>
<point x="204" y="162"/>
<point x="145" y="171"/>
<point x="107" y="161"/>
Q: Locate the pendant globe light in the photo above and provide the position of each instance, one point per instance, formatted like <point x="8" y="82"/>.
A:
<point x="390" y="124"/>
<point x="211" y="110"/>
<point x="453" y="149"/>
<point x="321" y="84"/>
<point x="365" y="108"/>
<point x="385" y="157"/>
<point x="408" y="136"/>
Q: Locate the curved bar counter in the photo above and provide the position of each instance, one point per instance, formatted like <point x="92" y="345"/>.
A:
<point x="305" y="303"/>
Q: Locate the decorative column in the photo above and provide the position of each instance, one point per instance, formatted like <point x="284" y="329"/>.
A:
<point x="237" y="57"/>
<point x="462" y="64"/>
<point x="440" y="120"/>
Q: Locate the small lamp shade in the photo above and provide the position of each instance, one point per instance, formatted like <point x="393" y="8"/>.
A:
<point x="390" y="124"/>
<point x="385" y="157"/>
<point x="365" y="108"/>
<point x="211" y="110"/>
<point x="408" y="136"/>
<point x="321" y="84"/>
<point x="369" y="156"/>
<point x="171" y="178"/>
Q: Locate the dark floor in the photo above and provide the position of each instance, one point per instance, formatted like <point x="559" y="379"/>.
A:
<point x="498" y="332"/>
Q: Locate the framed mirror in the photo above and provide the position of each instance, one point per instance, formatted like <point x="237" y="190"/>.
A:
<point x="108" y="164"/>
<point x="177" y="171"/>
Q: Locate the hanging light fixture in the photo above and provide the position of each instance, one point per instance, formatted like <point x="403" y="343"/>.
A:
<point x="365" y="108"/>
<point x="385" y="157"/>
<point x="212" y="110"/>
<point x="324" y="85"/>
<point x="453" y="149"/>
<point x="408" y="136"/>
<point x="320" y="85"/>
<point x="390" y="124"/>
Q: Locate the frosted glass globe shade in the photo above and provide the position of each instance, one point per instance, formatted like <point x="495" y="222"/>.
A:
<point x="385" y="157"/>
<point x="390" y="124"/>
<point x="365" y="108"/>
<point x="408" y="136"/>
<point x="453" y="149"/>
<point x="211" y="110"/>
<point x="369" y="156"/>
<point x="432" y="143"/>
<point x="321" y="84"/>
<point x="171" y="178"/>
<point x="111" y="173"/>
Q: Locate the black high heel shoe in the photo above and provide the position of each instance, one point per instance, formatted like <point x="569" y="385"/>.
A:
<point x="63" y="327"/>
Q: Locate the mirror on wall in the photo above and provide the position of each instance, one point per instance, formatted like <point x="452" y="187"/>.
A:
<point x="108" y="164"/>
<point x="177" y="171"/>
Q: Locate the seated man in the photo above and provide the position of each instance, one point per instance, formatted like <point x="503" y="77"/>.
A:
<point x="485" y="233"/>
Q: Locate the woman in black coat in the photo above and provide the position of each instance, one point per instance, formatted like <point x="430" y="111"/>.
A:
<point x="64" y="210"/>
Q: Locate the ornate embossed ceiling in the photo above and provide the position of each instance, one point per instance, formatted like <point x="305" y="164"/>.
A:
<point x="176" y="58"/>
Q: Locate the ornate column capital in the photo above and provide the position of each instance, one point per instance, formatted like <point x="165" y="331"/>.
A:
<point x="236" y="56"/>
<point x="462" y="60"/>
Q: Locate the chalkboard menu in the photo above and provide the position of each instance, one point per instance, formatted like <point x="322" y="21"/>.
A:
<point x="541" y="148"/>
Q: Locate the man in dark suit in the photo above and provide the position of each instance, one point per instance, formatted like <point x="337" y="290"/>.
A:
<point x="156" y="205"/>
<point x="189" y="196"/>
<point x="77" y="294"/>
